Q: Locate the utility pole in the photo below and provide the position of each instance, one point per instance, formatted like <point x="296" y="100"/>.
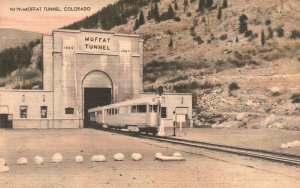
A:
<point x="174" y="123"/>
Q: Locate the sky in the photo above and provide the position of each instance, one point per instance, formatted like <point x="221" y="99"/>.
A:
<point x="35" y="15"/>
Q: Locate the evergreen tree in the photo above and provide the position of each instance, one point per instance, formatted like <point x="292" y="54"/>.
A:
<point x="171" y="43"/>
<point x="136" y="24"/>
<point x="16" y="58"/>
<point x="176" y="6"/>
<point x="219" y="16"/>
<point x="149" y="16"/>
<point x="141" y="18"/>
<point x="224" y="4"/>
<point x="112" y="15"/>
<point x="171" y="12"/>
<point x="201" y="6"/>
<point x="155" y="12"/>
<point x="263" y="38"/>
<point x="271" y="34"/>
<point x="236" y="39"/>
<point x="209" y="3"/>
<point x="185" y="4"/>
<point x="243" y="24"/>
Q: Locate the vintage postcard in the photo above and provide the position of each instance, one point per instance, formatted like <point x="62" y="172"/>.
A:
<point x="149" y="93"/>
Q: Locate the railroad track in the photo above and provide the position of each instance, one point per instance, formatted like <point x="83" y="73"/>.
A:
<point x="290" y="159"/>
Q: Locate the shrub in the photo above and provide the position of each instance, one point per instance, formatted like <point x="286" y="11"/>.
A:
<point x="237" y="63"/>
<point x="268" y="22"/>
<point x="193" y="33"/>
<point x="176" y="79"/>
<point x="189" y="14"/>
<point x="295" y="98"/>
<point x="295" y="34"/>
<point x="170" y="45"/>
<point x="263" y="38"/>
<point x="270" y="31"/>
<point x="236" y="39"/>
<point x="233" y="86"/>
<point x="150" y="77"/>
<point x="150" y="89"/>
<point x="223" y="37"/>
<point x="194" y="100"/>
<point x="248" y="33"/>
<point x="156" y="69"/>
<point x="206" y="85"/>
<point x="219" y="16"/>
<point x="190" y="86"/>
<point x="243" y="24"/>
<point x="280" y="31"/>
<point x="185" y="87"/>
<point x="225" y="4"/>
<point x="177" y="19"/>
<point x="198" y="39"/>
<point x="275" y="91"/>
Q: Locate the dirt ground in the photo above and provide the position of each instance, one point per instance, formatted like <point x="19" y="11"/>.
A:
<point x="202" y="168"/>
<point x="266" y="139"/>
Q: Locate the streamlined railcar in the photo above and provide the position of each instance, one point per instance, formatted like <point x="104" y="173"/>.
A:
<point x="138" y="115"/>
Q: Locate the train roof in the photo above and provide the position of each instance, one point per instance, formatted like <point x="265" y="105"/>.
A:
<point x="143" y="100"/>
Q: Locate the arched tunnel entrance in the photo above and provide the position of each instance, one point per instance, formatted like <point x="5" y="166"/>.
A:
<point x="97" y="88"/>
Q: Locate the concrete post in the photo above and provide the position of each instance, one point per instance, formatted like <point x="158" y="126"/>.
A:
<point x="161" y="123"/>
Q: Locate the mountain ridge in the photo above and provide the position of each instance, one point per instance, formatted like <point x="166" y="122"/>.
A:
<point x="11" y="38"/>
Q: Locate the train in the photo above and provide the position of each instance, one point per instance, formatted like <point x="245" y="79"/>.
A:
<point x="136" y="115"/>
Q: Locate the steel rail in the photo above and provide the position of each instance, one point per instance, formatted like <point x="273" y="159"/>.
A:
<point x="286" y="158"/>
<point x="262" y="154"/>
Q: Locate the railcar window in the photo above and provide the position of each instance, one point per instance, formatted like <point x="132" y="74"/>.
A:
<point x="109" y="111"/>
<point x="133" y="109"/>
<point x="141" y="108"/>
<point x="153" y="108"/>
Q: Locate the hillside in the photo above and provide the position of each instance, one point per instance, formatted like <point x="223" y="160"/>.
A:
<point x="20" y="59"/>
<point x="209" y="56"/>
<point x="11" y="38"/>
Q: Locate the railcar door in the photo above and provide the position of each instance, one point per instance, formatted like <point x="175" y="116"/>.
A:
<point x="153" y="116"/>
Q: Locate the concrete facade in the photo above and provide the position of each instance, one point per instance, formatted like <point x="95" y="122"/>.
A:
<point x="77" y="63"/>
<point x="74" y="60"/>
